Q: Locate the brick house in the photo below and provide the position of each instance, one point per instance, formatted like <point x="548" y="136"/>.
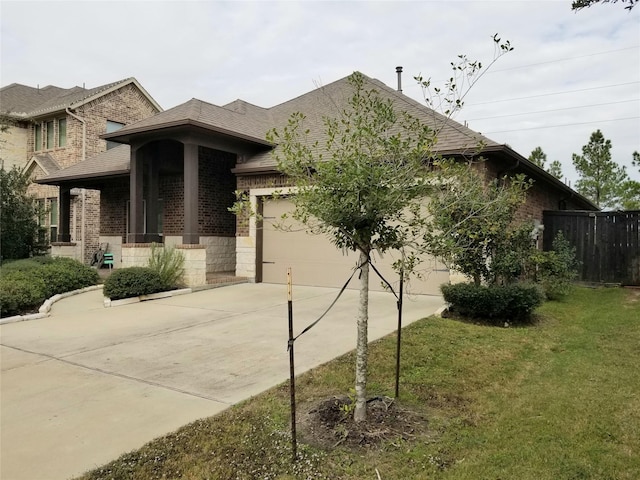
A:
<point x="174" y="178"/>
<point x="53" y="128"/>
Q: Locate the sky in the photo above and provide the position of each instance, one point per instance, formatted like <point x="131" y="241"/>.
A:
<point x="570" y="73"/>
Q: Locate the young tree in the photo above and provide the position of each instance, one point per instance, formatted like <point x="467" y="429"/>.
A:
<point x="470" y="220"/>
<point x="18" y="217"/>
<point x="538" y="157"/>
<point x="365" y="184"/>
<point x="363" y="188"/>
<point x="600" y="177"/>
<point x="636" y="160"/>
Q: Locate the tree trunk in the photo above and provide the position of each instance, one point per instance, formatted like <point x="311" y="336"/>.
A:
<point x="360" y="412"/>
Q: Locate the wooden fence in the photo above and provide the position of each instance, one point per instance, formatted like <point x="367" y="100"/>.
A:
<point x="607" y="243"/>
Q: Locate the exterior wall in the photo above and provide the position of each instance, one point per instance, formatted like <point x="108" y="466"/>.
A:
<point x="221" y="253"/>
<point x="135" y="254"/>
<point x="14" y="145"/>
<point x="125" y="105"/>
<point x="195" y="264"/>
<point x="216" y="193"/>
<point x="113" y="209"/>
<point x="69" y="250"/>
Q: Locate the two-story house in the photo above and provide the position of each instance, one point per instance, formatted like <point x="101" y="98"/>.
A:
<point x="52" y="128"/>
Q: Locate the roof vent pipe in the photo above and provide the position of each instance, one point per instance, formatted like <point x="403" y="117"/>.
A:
<point x="399" y="72"/>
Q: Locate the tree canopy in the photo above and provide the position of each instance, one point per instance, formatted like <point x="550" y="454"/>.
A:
<point x="580" y="4"/>
<point x="600" y="177"/>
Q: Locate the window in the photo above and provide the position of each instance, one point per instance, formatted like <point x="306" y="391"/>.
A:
<point x="50" y="136"/>
<point x="38" y="140"/>
<point x="53" y="219"/>
<point x="113" y="127"/>
<point x="62" y="132"/>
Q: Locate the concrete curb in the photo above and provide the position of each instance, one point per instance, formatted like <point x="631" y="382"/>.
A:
<point x="45" y="308"/>
<point x="438" y="313"/>
<point x="143" y="298"/>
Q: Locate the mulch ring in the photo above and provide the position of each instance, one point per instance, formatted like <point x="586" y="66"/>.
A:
<point x="329" y="423"/>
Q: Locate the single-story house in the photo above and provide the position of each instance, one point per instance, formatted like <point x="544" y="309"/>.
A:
<point x="173" y="179"/>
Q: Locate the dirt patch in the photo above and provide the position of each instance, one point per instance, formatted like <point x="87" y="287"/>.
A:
<point x="329" y="423"/>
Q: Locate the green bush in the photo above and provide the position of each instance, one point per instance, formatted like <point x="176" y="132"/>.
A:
<point x="26" y="283"/>
<point x="558" y="268"/>
<point x="131" y="282"/>
<point x="26" y="264"/>
<point x="20" y="292"/>
<point x="495" y="303"/>
<point x="65" y="274"/>
<point x="168" y="263"/>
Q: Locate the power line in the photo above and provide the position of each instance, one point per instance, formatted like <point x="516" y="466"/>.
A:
<point x="562" y="125"/>
<point x="562" y="59"/>
<point x="556" y="109"/>
<point x="553" y="93"/>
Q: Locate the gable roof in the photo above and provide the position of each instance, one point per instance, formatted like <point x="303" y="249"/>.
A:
<point x="45" y="161"/>
<point x="22" y="101"/>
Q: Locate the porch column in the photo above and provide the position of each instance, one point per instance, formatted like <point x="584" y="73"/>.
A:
<point x="64" y="232"/>
<point x="136" y="207"/>
<point x="152" y="234"/>
<point x="190" y="234"/>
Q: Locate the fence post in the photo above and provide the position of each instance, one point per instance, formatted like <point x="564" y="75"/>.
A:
<point x="292" y="380"/>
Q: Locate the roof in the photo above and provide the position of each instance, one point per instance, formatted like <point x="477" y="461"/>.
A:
<point x="239" y="120"/>
<point x="113" y="162"/>
<point x="23" y="101"/>
<point x="45" y="161"/>
<point x="249" y="122"/>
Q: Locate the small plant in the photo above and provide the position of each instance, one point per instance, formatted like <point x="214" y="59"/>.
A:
<point x="168" y="263"/>
<point x="349" y="406"/>
<point x="132" y="282"/>
<point x="558" y="268"/>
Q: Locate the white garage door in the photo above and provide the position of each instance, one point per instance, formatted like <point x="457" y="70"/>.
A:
<point x="315" y="261"/>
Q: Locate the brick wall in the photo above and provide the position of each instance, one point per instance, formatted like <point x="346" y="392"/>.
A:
<point x="215" y="193"/>
<point x="125" y="105"/>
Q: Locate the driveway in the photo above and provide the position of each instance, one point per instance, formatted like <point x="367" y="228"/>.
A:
<point x="89" y="383"/>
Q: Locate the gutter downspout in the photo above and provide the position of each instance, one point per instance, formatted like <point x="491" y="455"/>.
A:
<point x="84" y="190"/>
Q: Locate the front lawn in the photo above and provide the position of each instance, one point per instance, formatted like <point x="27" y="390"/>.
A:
<point x="558" y="400"/>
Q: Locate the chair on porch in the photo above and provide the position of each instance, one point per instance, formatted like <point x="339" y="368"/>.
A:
<point x="107" y="259"/>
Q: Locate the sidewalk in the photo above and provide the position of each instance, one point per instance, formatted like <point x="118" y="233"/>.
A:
<point x="89" y="383"/>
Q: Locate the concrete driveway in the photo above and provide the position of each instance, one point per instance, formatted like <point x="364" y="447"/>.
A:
<point x="89" y="383"/>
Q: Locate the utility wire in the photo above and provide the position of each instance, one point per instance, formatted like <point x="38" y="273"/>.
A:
<point x="556" y="109"/>
<point x="562" y="59"/>
<point x="553" y="93"/>
<point x="562" y="125"/>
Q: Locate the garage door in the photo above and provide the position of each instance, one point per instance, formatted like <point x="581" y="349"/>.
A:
<point x="315" y="261"/>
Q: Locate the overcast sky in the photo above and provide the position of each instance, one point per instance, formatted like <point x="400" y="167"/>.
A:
<point x="570" y="73"/>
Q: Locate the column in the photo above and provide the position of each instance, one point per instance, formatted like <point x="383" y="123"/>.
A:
<point x="153" y="190"/>
<point x="136" y="207"/>
<point x="190" y="234"/>
<point x="64" y="232"/>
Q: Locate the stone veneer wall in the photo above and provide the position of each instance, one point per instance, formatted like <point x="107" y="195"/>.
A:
<point x="195" y="260"/>
<point x="65" y="249"/>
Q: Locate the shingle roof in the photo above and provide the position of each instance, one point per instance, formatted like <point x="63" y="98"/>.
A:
<point x="241" y="119"/>
<point x="114" y="161"/>
<point x="27" y="102"/>
<point x="47" y="163"/>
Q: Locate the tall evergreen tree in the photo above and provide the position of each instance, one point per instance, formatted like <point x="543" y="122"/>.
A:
<point x="600" y="177"/>
<point x="555" y="169"/>
<point x="538" y="157"/>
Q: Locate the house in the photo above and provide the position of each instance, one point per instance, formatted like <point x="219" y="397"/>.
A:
<point x="175" y="174"/>
<point x="53" y="128"/>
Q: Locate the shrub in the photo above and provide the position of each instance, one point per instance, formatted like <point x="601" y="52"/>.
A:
<point x="131" y="282"/>
<point x="26" y="264"/>
<point x="20" y="292"/>
<point x="168" y="263"/>
<point x="65" y="274"/>
<point x="558" y="268"/>
<point x="495" y="303"/>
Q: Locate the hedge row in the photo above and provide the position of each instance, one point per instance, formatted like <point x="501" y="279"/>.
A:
<point x="25" y="284"/>
<point x="133" y="281"/>
<point x="495" y="303"/>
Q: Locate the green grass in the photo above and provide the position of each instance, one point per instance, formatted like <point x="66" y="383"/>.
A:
<point x="559" y="400"/>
